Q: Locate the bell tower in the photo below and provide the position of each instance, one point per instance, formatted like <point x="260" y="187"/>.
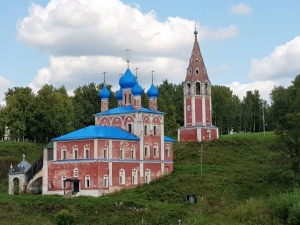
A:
<point x="197" y="100"/>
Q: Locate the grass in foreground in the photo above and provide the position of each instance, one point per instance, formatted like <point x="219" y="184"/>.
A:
<point x="240" y="177"/>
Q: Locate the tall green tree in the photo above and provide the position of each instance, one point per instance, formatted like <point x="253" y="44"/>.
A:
<point x="18" y="101"/>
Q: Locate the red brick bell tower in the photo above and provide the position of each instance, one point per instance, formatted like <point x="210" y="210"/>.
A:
<point x="197" y="101"/>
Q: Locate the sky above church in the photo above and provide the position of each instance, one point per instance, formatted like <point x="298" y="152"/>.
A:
<point x="245" y="45"/>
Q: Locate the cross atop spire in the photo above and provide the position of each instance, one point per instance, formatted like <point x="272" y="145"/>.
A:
<point x="127" y="54"/>
<point x="152" y="72"/>
<point x="104" y="75"/>
<point x="195" y="32"/>
<point x="136" y="72"/>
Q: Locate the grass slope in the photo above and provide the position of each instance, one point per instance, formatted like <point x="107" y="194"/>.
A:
<point x="240" y="174"/>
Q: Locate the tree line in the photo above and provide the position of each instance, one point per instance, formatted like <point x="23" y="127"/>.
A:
<point x="52" y="112"/>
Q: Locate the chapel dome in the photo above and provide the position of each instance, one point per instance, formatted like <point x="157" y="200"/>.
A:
<point x="104" y="93"/>
<point x="137" y="90"/>
<point x="152" y="92"/>
<point x="119" y="94"/>
<point x="128" y="80"/>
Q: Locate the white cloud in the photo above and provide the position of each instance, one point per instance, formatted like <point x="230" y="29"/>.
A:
<point x="264" y="87"/>
<point x="76" y="71"/>
<point x="4" y="85"/>
<point x="241" y="9"/>
<point x="87" y="37"/>
<point x="107" y="27"/>
<point x="282" y="62"/>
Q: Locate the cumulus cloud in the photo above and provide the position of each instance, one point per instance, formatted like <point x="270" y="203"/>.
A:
<point x="4" y="85"/>
<point x="264" y="87"/>
<point x="282" y="62"/>
<point x="87" y="37"/>
<point x="241" y="9"/>
<point x="76" y="71"/>
<point x="107" y="27"/>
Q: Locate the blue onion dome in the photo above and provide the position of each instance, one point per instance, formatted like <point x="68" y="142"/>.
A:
<point x="195" y="32"/>
<point x="137" y="90"/>
<point x="128" y="80"/>
<point x="119" y="94"/>
<point x="152" y="92"/>
<point x="104" y="93"/>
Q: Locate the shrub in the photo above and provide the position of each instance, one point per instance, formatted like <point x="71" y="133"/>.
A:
<point x="64" y="217"/>
<point x="294" y="214"/>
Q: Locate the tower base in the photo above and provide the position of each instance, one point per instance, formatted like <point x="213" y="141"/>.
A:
<point x="197" y="134"/>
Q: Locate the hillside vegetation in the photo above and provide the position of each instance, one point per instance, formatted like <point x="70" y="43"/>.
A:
<point x="244" y="180"/>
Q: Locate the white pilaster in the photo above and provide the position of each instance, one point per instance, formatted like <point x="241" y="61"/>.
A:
<point x="45" y="172"/>
<point x="193" y="110"/>
<point x="95" y="148"/>
<point x="184" y="110"/>
<point x="110" y="163"/>
<point x="162" y="145"/>
<point x="54" y="151"/>
<point x="203" y="111"/>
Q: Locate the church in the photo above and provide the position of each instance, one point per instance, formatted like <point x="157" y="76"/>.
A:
<point x="126" y="147"/>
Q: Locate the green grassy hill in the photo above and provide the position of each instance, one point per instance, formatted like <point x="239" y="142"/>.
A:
<point x="242" y="178"/>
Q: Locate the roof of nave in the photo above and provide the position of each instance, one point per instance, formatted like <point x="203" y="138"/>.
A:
<point x="168" y="139"/>
<point x="102" y="132"/>
<point x="127" y="109"/>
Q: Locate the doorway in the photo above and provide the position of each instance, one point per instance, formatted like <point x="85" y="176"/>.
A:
<point x="75" y="186"/>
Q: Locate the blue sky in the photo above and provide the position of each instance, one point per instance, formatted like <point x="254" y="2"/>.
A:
<point x="245" y="45"/>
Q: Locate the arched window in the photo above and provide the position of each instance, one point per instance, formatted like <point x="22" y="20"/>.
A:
<point x="155" y="151"/>
<point x="64" y="152"/>
<point x="167" y="152"/>
<point x="154" y="130"/>
<point x="121" y="153"/>
<point x="196" y="59"/>
<point x="76" y="172"/>
<point x="188" y="88"/>
<point x="105" y="153"/>
<point x="167" y="170"/>
<point x="75" y="152"/>
<point x="122" y="176"/>
<point x="87" y="181"/>
<point x="132" y="152"/>
<point x="206" y="88"/>
<point x="129" y="127"/>
<point x="145" y="130"/>
<point x="147" y="152"/>
<point x="197" y="71"/>
<point x="197" y="88"/>
<point x="105" y="181"/>
<point x="147" y="176"/>
<point x="134" y="176"/>
<point x="130" y="98"/>
<point x="86" y="151"/>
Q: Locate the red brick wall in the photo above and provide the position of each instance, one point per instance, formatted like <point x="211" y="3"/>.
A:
<point x="188" y="118"/>
<point x="198" y="110"/>
<point x="188" y="135"/>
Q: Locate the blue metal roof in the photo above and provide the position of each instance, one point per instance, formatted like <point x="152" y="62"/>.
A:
<point x="127" y="80"/>
<point x="102" y="132"/>
<point x="127" y="109"/>
<point x="137" y="90"/>
<point x="104" y="93"/>
<point x="168" y="139"/>
<point x="152" y="92"/>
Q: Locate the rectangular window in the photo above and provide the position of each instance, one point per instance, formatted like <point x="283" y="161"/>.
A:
<point x="145" y="129"/>
<point x="155" y="130"/>
<point x="132" y="154"/>
<point x="147" y="151"/>
<point x="87" y="153"/>
<point x="50" y="185"/>
<point x="87" y="181"/>
<point x="75" y="154"/>
<point x="167" y="152"/>
<point x="155" y="152"/>
<point x="64" y="155"/>
<point x="122" y="154"/>
<point x="129" y="128"/>
<point x="105" y="153"/>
